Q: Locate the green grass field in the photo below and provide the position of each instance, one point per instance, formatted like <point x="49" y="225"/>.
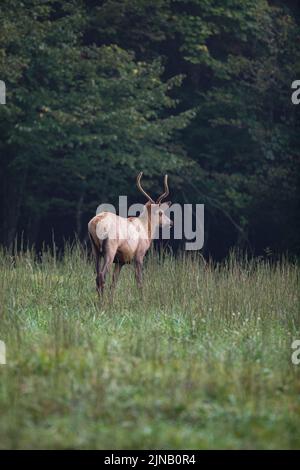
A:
<point x="203" y="360"/>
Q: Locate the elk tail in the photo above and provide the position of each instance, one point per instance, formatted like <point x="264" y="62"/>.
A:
<point x="96" y="248"/>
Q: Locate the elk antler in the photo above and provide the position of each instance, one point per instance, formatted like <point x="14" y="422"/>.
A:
<point x="166" y="193"/>
<point x="138" y="183"/>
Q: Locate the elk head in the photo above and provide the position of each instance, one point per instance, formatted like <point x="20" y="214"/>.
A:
<point x="156" y="210"/>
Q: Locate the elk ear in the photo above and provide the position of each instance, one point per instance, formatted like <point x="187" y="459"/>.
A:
<point x="166" y="205"/>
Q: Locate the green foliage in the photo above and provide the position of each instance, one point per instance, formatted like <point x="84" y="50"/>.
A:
<point x="244" y="137"/>
<point x="80" y="114"/>
<point x="97" y="91"/>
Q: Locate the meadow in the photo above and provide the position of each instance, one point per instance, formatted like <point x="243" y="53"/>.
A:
<point x="202" y="359"/>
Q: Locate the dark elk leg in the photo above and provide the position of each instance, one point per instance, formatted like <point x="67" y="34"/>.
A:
<point x="97" y="271"/>
<point x="117" y="270"/>
<point x="108" y="261"/>
<point x="138" y="272"/>
<point x="96" y="254"/>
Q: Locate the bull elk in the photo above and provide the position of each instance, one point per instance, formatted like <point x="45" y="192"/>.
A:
<point x="121" y="240"/>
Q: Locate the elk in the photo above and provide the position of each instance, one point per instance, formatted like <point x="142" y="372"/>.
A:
<point x="121" y="240"/>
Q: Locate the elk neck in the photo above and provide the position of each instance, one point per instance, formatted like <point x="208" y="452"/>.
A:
<point x="148" y="222"/>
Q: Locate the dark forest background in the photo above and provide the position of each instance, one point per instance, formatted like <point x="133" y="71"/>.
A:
<point x="201" y="89"/>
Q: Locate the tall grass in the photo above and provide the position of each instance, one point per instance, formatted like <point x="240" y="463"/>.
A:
<point x="202" y="359"/>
